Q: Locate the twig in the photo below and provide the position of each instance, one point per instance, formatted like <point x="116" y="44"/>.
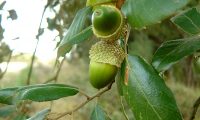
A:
<point x="84" y="94"/>
<point x="189" y="71"/>
<point x="195" y="108"/>
<point x="33" y="56"/>
<point x="8" y="61"/>
<point x="84" y="103"/>
<point x="55" y="77"/>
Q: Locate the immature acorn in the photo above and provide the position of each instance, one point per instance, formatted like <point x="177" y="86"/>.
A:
<point x="105" y="59"/>
<point x="107" y="21"/>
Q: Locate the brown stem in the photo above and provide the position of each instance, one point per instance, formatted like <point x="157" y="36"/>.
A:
<point x="120" y="3"/>
<point x="8" y="61"/>
<point x="103" y="3"/>
<point x="189" y="71"/>
<point x="195" y="108"/>
<point x="155" y="39"/>
<point x="84" y="103"/>
<point x="55" y="77"/>
<point x="84" y="94"/>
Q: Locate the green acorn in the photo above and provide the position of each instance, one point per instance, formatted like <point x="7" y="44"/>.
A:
<point x="105" y="59"/>
<point x="107" y="21"/>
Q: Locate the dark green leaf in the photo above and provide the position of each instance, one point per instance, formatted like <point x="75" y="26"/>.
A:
<point x="7" y="110"/>
<point x="99" y="114"/>
<point x="75" y="28"/>
<point x="121" y="78"/>
<point x="146" y="93"/>
<point x="40" y="115"/>
<point x="141" y="13"/>
<point x="174" y="50"/>
<point x="6" y="95"/>
<point x="45" y="92"/>
<point x="12" y="14"/>
<point x="80" y="37"/>
<point x="188" y="21"/>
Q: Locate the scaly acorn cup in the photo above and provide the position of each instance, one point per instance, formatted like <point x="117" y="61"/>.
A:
<point x="105" y="59"/>
<point x="107" y="22"/>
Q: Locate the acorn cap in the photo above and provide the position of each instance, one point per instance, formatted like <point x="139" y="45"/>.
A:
<point x="98" y="2"/>
<point x="107" y="21"/>
<point x="104" y="52"/>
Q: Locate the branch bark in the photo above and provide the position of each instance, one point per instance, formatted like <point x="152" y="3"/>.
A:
<point x="82" y="104"/>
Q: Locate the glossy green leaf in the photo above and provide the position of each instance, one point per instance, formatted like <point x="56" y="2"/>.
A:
<point x="75" y="28"/>
<point x="40" y="115"/>
<point x="99" y="114"/>
<point x="174" y="50"/>
<point x="6" y="95"/>
<point x="7" y="110"/>
<point x="146" y="93"/>
<point x="45" y="92"/>
<point x="188" y="21"/>
<point x="141" y="13"/>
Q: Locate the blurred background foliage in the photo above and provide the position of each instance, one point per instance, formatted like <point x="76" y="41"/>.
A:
<point x="183" y="78"/>
<point x="5" y="51"/>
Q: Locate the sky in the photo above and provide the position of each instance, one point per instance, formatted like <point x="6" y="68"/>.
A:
<point x="29" y="14"/>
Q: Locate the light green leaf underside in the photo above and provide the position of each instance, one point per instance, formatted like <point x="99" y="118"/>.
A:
<point x="98" y="114"/>
<point x="75" y="28"/>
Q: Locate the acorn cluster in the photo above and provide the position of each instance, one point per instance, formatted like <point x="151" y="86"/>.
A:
<point x="106" y="55"/>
